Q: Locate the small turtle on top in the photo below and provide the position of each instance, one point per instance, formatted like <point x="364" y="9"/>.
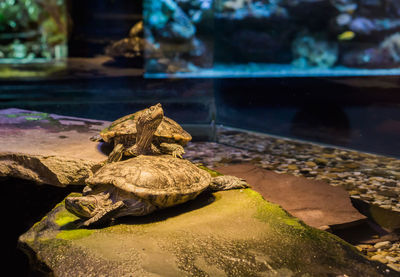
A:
<point x="169" y="137"/>
<point x="146" y="183"/>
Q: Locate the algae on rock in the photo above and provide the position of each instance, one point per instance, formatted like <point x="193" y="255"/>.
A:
<point x="227" y="233"/>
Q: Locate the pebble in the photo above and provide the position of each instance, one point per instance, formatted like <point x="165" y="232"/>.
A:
<point x="394" y="267"/>
<point x="311" y="164"/>
<point x="391" y="259"/>
<point x="366" y="197"/>
<point x="379" y="258"/>
<point x="355" y="171"/>
<point x="292" y="167"/>
<point x="383" y="245"/>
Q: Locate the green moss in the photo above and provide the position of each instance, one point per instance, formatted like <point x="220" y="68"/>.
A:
<point x="30" y="118"/>
<point x="213" y="173"/>
<point x="43" y="115"/>
<point x="74" y="234"/>
<point x="24" y="73"/>
<point x="268" y="212"/>
<point x="105" y="130"/>
<point x="237" y="234"/>
<point x="294" y="222"/>
<point x="64" y="217"/>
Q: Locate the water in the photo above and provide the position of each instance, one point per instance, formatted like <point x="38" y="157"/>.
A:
<point x="280" y="38"/>
<point x="33" y="37"/>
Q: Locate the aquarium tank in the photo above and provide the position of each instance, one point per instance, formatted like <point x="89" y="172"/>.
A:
<point x="131" y="129"/>
<point x="33" y="35"/>
<point x="243" y="38"/>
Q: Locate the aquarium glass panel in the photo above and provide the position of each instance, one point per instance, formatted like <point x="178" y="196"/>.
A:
<point x="242" y="38"/>
<point x="33" y="33"/>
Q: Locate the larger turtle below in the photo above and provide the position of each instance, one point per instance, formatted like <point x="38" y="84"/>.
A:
<point x="143" y="184"/>
<point x="169" y="137"/>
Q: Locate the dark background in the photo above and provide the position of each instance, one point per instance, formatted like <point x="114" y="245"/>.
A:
<point x="356" y="112"/>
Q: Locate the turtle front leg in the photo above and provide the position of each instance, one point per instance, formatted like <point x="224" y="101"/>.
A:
<point x="174" y="149"/>
<point x="226" y="182"/>
<point x="131" y="207"/>
<point x="135" y="151"/>
<point x="137" y="207"/>
<point x="105" y="214"/>
<point x="116" y="154"/>
<point x="96" y="138"/>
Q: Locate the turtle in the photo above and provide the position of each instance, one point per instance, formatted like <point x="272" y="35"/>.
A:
<point x="143" y="184"/>
<point x="169" y="137"/>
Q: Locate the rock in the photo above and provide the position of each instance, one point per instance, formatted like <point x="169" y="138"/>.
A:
<point x="276" y="154"/>
<point x="379" y="258"/>
<point x="363" y="247"/>
<point x="311" y="164"/>
<point x="48" y="148"/>
<point x="210" y="236"/>
<point x="394" y="266"/>
<point x="354" y="192"/>
<point x="57" y="171"/>
<point x="315" y="202"/>
<point x="305" y="50"/>
<point x="368" y="58"/>
<point x="292" y="167"/>
<point x="390" y="184"/>
<point x="321" y="161"/>
<point x="388" y="193"/>
<point x="385" y="217"/>
<point x="367" y="197"/>
<point x="352" y="165"/>
<point x="383" y="245"/>
<point x="166" y="20"/>
<point x="392" y="260"/>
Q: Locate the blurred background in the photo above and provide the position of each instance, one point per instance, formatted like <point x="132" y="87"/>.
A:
<point x="325" y="71"/>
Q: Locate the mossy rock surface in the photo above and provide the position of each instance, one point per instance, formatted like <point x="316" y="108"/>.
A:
<point x="228" y="233"/>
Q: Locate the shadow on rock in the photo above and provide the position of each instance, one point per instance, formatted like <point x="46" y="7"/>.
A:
<point x="199" y="202"/>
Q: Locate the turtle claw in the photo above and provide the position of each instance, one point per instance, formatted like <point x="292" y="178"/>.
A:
<point x="173" y="149"/>
<point x="177" y="154"/>
<point x="227" y="182"/>
<point x="96" y="138"/>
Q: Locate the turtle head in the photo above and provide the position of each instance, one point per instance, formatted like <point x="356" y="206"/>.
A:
<point x="150" y="118"/>
<point x="85" y="206"/>
<point x="146" y="126"/>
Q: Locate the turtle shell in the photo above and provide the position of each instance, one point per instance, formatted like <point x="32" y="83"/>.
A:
<point x="164" y="181"/>
<point x="124" y="130"/>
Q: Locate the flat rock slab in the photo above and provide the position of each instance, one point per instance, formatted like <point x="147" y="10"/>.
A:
<point x="228" y="233"/>
<point x="48" y="148"/>
<point x="315" y="202"/>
